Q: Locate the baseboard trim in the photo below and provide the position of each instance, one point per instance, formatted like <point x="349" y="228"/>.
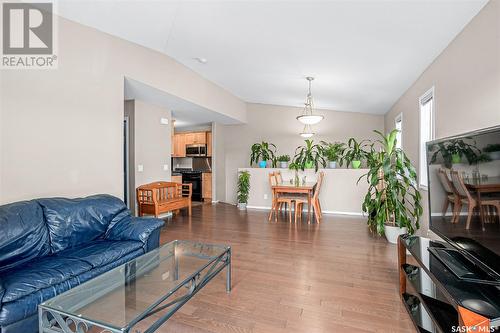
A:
<point x="328" y="212"/>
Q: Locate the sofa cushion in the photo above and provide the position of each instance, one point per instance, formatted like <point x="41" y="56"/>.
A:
<point x="39" y="274"/>
<point x="24" y="235"/>
<point x="72" y="222"/>
<point x="24" y="307"/>
<point x="101" y="252"/>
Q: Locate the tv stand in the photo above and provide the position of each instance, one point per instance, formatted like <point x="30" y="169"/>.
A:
<point x="437" y="299"/>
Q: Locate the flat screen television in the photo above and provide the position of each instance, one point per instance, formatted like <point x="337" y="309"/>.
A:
<point x="465" y="169"/>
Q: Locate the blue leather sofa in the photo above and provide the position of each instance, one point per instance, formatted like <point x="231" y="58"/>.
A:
<point x="48" y="246"/>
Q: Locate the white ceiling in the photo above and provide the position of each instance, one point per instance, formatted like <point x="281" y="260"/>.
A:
<point x="185" y="113"/>
<point x="363" y="54"/>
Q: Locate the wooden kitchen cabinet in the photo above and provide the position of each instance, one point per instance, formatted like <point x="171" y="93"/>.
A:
<point x="179" y="145"/>
<point x="196" y="138"/>
<point x="206" y="186"/>
<point x="209" y="143"/>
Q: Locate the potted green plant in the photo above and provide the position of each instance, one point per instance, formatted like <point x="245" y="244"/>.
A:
<point x="333" y="152"/>
<point x="309" y="156"/>
<point x="283" y="159"/>
<point x="264" y="152"/>
<point x="493" y="151"/>
<point x="393" y="202"/>
<point x="243" y="189"/>
<point x="355" y="152"/>
<point x="453" y="151"/>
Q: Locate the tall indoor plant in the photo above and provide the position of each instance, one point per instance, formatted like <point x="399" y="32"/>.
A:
<point x="333" y="152"/>
<point x="264" y="152"/>
<point x="393" y="202"/>
<point x="355" y="152"/>
<point x="309" y="155"/>
<point x="243" y="189"/>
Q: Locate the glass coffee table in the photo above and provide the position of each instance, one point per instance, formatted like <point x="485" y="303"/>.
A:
<point x="140" y="295"/>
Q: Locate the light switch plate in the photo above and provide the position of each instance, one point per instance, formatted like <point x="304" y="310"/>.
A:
<point x="165" y="167"/>
<point x="164" y="121"/>
<point x="140" y="168"/>
<point x="265" y="196"/>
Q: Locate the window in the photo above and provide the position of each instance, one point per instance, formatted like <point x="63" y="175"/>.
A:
<point x="426" y="103"/>
<point x="399" y="126"/>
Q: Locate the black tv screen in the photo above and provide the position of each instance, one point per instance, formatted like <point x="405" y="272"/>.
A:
<point x="464" y="172"/>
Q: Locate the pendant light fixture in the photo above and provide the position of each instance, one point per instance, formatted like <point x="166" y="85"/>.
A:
<point x="307" y="132"/>
<point x="308" y="117"/>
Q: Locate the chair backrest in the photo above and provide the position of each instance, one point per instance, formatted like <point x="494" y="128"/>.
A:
<point x="321" y="175"/>
<point x="272" y="179"/>
<point x="445" y="181"/>
<point x="279" y="179"/>
<point x="158" y="192"/>
<point x="458" y="183"/>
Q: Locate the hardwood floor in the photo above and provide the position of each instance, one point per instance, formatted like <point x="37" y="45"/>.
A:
<point x="328" y="277"/>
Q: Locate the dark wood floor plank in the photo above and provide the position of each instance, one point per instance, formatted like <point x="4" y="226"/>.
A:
<point x="329" y="277"/>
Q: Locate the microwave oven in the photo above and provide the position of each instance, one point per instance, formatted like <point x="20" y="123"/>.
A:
<point x="195" y="150"/>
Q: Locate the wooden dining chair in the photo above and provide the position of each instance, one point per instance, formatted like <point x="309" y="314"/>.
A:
<point x="300" y="201"/>
<point x="467" y="199"/>
<point x="452" y="197"/>
<point x="279" y="199"/>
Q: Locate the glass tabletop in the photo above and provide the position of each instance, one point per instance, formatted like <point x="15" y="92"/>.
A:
<point x="123" y="295"/>
<point x="483" y="181"/>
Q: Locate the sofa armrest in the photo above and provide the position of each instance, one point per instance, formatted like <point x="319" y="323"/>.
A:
<point x="139" y="229"/>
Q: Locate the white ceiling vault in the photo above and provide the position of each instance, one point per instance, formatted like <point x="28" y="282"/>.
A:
<point x="363" y="54"/>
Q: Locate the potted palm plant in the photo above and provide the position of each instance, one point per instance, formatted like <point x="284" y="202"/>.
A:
<point x="393" y="202"/>
<point x="355" y="152"/>
<point x="264" y="152"/>
<point x="283" y="159"/>
<point x="243" y="189"/>
<point x="309" y="156"/>
<point x="333" y="152"/>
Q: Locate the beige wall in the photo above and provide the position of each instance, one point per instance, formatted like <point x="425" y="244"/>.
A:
<point x="339" y="192"/>
<point x="61" y="130"/>
<point x="152" y="143"/>
<point x="466" y="77"/>
<point x="277" y="124"/>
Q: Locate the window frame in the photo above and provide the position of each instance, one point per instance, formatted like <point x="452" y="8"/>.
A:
<point x="429" y="95"/>
<point x="399" y="119"/>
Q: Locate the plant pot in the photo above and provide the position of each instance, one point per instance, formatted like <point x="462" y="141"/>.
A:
<point x="392" y="233"/>
<point x="356" y="164"/>
<point x="283" y="165"/>
<point x="309" y="165"/>
<point x="332" y="164"/>
<point x="262" y="164"/>
<point x="456" y="158"/>
<point x="242" y="205"/>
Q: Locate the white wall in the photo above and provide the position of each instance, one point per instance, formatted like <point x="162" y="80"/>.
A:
<point x="61" y="130"/>
<point x="466" y="77"/>
<point x="277" y="124"/>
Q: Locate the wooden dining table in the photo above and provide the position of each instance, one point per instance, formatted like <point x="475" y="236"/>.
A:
<point x="306" y="188"/>
<point x="481" y="186"/>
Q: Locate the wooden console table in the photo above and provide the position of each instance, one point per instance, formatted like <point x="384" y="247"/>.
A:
<point x="436" y="299"/>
